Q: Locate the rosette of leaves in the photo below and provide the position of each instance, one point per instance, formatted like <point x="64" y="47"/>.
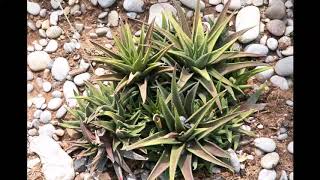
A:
<point x="206" y="54"/>
<point x="187" y="126"/>
<point x="131" y="64"/>
<point x="107" y="122"/>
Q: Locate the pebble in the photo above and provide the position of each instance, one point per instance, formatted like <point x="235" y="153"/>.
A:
<point x="49" y="151"/>
<point x="53" y="32"/>
<point x="215" y="2"/>
<point x="106" y="3"/>
<point x="37" y="47"/>
<point x="83" y="65"/>
<point x="270" y="160"/>
<point x="288" y="51"/>
<point x="257" y="49"/>
<point x="102" y="15"/>
<point x="31" y="25"/>
<point x="276" y="27"/>
<point x="93" y="35"/>
<point x="248" y="17"/>
<point x="131" y="15"/>
<point x="69" y="47"/>
<point x="32" y="132"/>
<point x="94" y="2"/>
<point x="192" y="4"/>
<point x="245" y="127"/>
<point x="235" y="163"/>
<point x="54" y="18"/>
<point x="46" y="86"/>
<point x="284" y="67"/>
<point x="113" y="18"/>
<point x="33" y="8"/>
<point x="260" y="126"/>
<point x="60" y="69"/>
<point x="29" y="88"/>
<point x="257" y="2"/>
<point x="37" y="114"/>
<point x="43" y="42"/>
<point x="284" y="42"/>
<point x="36" y="122"/>
<point x="61" y="112"/>
<point x="79" y="27"/>
<point x="56" y="94"/>
<point x="280" y="82"/>
<point x="290" y="147"/>
<point x="289" y="103"/>
<point x="266" y="174"/>
<point x="99" y="72"/>
<point x="102" y="31"/>
<point x="52" y="46"/>
<point x="289" y="30"/>
<point x="133" y="5"/>
<point x="282" y="136"/>
<point x="42" y="33"/>
<point x="81" y="78"/>
<point x="284" y="175"/>
<point x="276" y="10"/>
<point x="54" y="104"/>
<point x="29" y="125"/>
<point x="272" y="44"/>
<point x="75" y="9"/>
<point x="234" y="5"/>
<point x="38" y="101"/>
<point x="68" y="88"/>
<point x="219" y="8"/>
<point x="43" y="12"/>
<point x="38" y="60"/>
<point x="45" y="117"/>
<point x="55" y="3"/>
<point x="59" y="132"/>
<point x="265" y="144"/>
<point x="43" y="107"/>
<point x="156" y="10"/>
<point x="288" y="4"/>
<point x="264" y="75"/>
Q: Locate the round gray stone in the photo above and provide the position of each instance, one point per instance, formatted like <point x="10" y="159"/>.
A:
<point x="60" y="69"/>
<point x="284" y="42"/>
<point x="61" y="112"/>
<point x="284" y="67"/>
<point x="38" y="101"/>
<point x="38" y="60"/>
<point x="282" y="136"/>
<point x="56" y="94"/>
<point x="219" y="8"/>
<point x="37" y="114"/>
<point x="257" y="49"/>
<point x="133" y="5"/>
<point x="270" y="160"/>
<point x="54" y="104"/>
<point x="53" y="32"/>
<point x="81" y="78"/>
<point x="276" y="27"/>
<point x="272" y="44"/>
<point x="266" y="174"/>
<point x="113" y="18"/>
<point x="276" y="10"/>
<point x="280" y="82"/>
<point x="106" y="3"/>
<point x="45" y="117"/>
<point x="52" y="46"/>
<point x="265" y="144"/>
<point x="33" y="8"/>
<point x="46" y="86"/>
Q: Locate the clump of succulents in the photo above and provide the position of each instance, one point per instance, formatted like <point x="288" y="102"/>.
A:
<point x="172" y="100"/>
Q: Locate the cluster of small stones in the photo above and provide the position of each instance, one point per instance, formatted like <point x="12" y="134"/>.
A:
<point x="56" y="69"/>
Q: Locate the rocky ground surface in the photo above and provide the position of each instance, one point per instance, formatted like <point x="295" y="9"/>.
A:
<point x="58" y="42"/>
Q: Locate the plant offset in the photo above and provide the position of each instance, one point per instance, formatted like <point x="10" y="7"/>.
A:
<point x="170" y="100"/>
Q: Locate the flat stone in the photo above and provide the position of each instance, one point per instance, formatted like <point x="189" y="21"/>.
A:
<point x="280" y="82"/>
<point x="61" y="112"/>
<point x="81" y="78"/>
<point x="265" y="144"/>
<point x="60" y="69"/>
<point x="52" y="46"/>
<point x="284" y="67"/>
<point x="276" y="27"/>
<point x="68" y="88"/>
<point x="257" y="49"/>
<point x="54" y="104"/>
<point x="53" y="32"/>
<point x="270" y="160"/>
<point x="106" y="3"/>
<point x="113" y="18"/>
<point x="45" y="117"/>
<point x="38" y="60"/>
<point x="133" y="5"/>
<point x="265" y="174"/>
<point x="33" y="8"/>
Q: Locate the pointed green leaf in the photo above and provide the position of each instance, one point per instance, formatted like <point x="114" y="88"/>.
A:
<point x="175" y="154"/>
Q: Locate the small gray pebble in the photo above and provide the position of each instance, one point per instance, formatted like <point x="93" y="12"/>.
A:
<point x="46" y="86"/>
<point x="45" y="117"/>
<point x="282" y="136"/>
<point x="37" y="114"/>
<point x="43" y="107"/>
<point x="56" y="94"/>
<point x="289" y="103"/>
<point x="61" y="112"/>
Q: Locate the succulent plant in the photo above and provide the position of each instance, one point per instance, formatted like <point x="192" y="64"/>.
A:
<point x="107" y="122"/>
<point x="133" y="64"/>
<point x="205" y="53"/>
<point x="187" y="127"/>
